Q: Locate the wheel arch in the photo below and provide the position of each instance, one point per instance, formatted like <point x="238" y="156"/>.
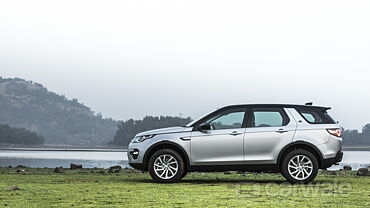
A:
<point x="300" y="145"/>
<point x="166" y="145"/>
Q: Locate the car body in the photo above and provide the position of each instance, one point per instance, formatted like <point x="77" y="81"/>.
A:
<point x="250" y="137"/>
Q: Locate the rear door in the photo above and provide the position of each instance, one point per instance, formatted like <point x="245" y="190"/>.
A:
<point x="268" y="131"/>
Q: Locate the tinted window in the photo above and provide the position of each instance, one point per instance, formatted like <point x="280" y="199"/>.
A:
<point x="312" y="117"/>
<point x="228" y="120"/>
<point x="316" y="116"/>
<point x="268" y="117"/>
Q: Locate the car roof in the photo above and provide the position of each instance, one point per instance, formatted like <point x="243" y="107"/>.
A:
<point x="278" y="106"/>
<point x="259" y="106"/>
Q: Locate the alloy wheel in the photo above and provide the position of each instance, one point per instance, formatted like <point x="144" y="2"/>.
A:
<point x="300" y="167"/>
<point x="166" y="166"/>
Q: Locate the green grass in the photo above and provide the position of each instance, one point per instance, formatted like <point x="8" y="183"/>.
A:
<point x="42" y="188"/>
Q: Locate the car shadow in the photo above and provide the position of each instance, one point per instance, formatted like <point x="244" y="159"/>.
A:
<point x="226" y="181"/>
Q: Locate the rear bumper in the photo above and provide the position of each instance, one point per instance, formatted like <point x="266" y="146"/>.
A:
<point x="325" y="163"/>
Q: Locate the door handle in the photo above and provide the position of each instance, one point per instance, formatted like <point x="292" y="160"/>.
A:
<point x="281" y="131"/>
<point x="235" y="133"/>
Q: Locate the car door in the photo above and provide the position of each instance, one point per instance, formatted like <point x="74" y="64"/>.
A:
<point x="223" y="143"/>
<point x="268" y="131"/>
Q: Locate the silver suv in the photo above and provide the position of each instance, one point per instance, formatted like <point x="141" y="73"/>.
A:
<point x="295" y="140"/>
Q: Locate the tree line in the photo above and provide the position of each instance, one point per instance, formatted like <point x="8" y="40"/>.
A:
<point x="355" y="138"/>
<point x="11" y="135"/>
<point x="128" y="129"/>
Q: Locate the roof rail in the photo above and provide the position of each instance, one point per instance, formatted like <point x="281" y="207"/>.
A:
<point x="309" y="103"/>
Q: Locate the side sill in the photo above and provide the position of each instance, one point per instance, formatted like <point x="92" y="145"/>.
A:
<point x="271" y="168"/>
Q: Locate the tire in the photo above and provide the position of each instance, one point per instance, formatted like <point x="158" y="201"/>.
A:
<point x="304" y="171"/>
<point x="184" y="174"/>
<point x="172" y="164"/>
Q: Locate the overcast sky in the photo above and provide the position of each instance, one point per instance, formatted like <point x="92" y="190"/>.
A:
<point x="128" y="59"/>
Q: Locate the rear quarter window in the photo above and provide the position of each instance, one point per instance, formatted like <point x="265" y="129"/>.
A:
<point x="315" y="115"/>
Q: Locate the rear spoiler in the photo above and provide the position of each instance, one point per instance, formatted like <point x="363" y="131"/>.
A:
<point x="325" y="108"/>
<point x="322" y="108"/>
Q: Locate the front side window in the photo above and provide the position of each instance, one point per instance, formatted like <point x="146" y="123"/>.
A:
<point x="228" y="120"/>
<point x="268" y="117"/>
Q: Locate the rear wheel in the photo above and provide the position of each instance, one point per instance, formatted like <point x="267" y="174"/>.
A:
<point x="166" y="166"/>
<point x="300" y="166"/>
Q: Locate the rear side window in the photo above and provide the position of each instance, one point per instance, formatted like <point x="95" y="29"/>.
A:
<point x="268" y="117"/>
<point x="315" y="116"/>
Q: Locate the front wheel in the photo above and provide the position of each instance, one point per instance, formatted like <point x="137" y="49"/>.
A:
<point x="300" y="166"/>
<point x="166" y="166"/>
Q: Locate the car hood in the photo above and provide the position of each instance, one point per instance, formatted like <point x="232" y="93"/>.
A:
<point x="165" y="131"/>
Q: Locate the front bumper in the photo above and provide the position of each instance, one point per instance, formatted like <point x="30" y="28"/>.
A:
<point x="326" y="163"/>
<point x="136" y="152"/>
<point x="139" y="166"/>
<point x="133" y="155"/>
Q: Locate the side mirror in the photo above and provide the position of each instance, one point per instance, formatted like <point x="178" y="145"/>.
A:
<point x="204" y="127"/>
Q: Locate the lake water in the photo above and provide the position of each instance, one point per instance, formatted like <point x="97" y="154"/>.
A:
<point x="52" y="159"/>
<point x="106" y="159"/>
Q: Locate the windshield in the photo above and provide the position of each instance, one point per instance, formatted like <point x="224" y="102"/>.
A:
<point x="196" y="120"/>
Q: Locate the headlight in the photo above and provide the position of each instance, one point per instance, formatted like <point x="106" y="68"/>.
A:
<point x="139" y="139"/>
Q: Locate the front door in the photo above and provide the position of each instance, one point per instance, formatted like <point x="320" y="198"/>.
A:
<point x="223" y="143"/>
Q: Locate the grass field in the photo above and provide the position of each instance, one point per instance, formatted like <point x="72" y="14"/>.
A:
<point x="92" y="188"/>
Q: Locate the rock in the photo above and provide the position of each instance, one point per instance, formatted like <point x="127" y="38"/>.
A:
<point x="227" y="172"/>
<point x="75" y="166"/>
<point x="239" y="172"/>
<point x="115" y="169"/>
<point x="20" y="171"/>
<point x="58" y="170"/>
<point x="347" y="167"/>
<point x="363" y="172"/>
<point x="14" y="188"/>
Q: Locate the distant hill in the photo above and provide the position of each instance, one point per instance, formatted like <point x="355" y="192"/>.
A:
<point x="29" y="105"/>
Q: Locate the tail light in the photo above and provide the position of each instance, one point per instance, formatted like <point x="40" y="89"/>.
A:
<point x="335" y="132"/>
